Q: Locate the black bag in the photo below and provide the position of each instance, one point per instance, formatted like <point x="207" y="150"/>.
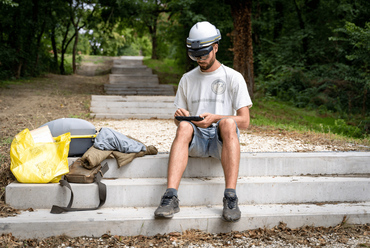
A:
<point x="79" y="174"/>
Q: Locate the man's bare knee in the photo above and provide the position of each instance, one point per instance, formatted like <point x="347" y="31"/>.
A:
<point x="184" y="130"/>
<point x="227" y="125"/>
<point x="185" y="126"/>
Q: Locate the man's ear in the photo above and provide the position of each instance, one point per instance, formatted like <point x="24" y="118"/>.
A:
<point x="215" y="47"/>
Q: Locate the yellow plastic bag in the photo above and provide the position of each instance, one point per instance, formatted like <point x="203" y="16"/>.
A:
<point x="42" y="162"/>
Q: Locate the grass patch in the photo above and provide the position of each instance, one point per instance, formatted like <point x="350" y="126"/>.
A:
<point x="8" y="83"/>
<point x="4" y="144"/>
<point x="167" y="70"/>
<point x="6" y="141"/>
<point x="280" y="115"/>
<point x="80" y="116"/>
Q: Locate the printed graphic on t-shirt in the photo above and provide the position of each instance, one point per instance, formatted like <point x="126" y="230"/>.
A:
<point x="207" y="100"/>
<point x="218" y="87"/>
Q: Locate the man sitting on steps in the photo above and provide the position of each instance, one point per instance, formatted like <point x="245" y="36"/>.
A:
<point x="216" y="93"/>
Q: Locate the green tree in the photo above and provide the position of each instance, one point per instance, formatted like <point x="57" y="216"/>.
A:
<point x="22" y="26"/>
<point x="305" y="53"/>
<point x="359" y="54"/>
<point x="80" y="12"/>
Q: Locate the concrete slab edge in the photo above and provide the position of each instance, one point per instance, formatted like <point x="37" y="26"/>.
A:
<point x="141" y="221"/>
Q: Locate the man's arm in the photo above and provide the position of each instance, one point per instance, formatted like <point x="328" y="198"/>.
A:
<point x="242" y="118"/>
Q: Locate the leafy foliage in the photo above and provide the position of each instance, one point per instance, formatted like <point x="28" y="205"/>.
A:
<point x="315" y="55"/>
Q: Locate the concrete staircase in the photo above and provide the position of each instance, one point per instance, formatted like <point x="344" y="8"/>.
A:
<point x="130" y="77"/>
<point x="320" y="189"/>
<point x="140" y="107"/>
<point x="133" y="92"/>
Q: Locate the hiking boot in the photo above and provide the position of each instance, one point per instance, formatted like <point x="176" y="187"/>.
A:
<point x="169" y="205"/>
<point x="231" y="210"/>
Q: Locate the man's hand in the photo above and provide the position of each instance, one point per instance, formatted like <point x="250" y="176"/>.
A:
<point x="242" y="119"/>
<point x="206" y="122"/>
<point x="180" y="112"/>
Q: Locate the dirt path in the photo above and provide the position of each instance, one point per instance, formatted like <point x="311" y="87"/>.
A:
<point x="98" y="66"/>
<point x="35" y="102"/>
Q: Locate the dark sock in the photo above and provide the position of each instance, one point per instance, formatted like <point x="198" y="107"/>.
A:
<point x="230" y="192"/>
<point x="174" y="191"/>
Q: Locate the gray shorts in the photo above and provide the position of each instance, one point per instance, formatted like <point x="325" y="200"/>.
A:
<point x="206" y="142"/>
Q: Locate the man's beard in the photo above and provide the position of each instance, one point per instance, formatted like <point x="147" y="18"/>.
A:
<point x="209" y="65"/>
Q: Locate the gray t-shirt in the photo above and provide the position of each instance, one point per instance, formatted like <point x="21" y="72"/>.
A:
<point x="220" y="92"/>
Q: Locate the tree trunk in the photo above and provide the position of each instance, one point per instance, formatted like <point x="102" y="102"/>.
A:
<point x="61" y="66"/>
<point x="18" y="69"/>
<point x="1" y="34"/>
<point x="302" y="26"/>
<point x="38" y="46"/>
<point x="153" y="34"/>
<point x="65" y="44"/>
<point x="74" y="67"/>
<point x="55" y="51"/>
<point x="364" y="102"/>
<point x="154" y="47"/>
<point x="279" y="16"/>
<point x="242" y="39"/>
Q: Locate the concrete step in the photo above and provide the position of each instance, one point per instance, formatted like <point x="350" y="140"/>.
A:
<point x="132" y="104"/>
<point x="132" y="79"/>
<point x="315" y="164"/>
<point x="139" y="89"/>
<point x="147" y="192"/>
<point x="131" y="69"/>
<point x="320" y="189"/>
<point x="168" y="99"/>
<point x="141" y="107"/>
<point x="129" y="60"/>
<point x="263" y="177"/>
<point x="139" y="92"/>
<point x="140" y="221"/>
<point x="135" y="116"/>
<point x="128" y="110"/>
<point x="139" y="86"/>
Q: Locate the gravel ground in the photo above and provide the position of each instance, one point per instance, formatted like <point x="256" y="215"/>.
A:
<point x="161" y="133"/>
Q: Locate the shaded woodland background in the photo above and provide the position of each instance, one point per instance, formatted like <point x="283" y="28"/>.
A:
<point x="313" y="54"/>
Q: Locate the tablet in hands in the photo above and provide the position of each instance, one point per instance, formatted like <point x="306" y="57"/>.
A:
<point x="189" y="118"/>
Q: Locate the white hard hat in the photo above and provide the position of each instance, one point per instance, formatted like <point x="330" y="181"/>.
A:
<point x="202" y="34"/>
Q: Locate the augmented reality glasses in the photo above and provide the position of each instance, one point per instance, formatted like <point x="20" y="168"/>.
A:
<point x="200" y="54"/>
